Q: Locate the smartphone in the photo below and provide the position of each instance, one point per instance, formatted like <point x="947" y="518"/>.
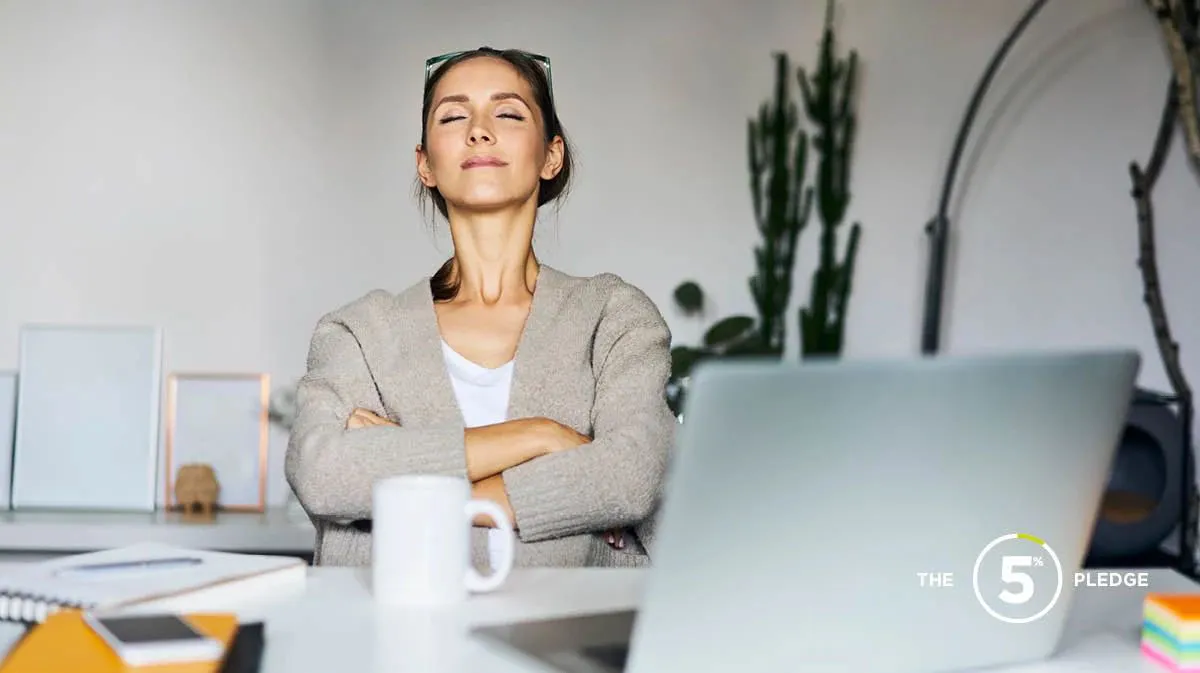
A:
<point x="142" y="640"/>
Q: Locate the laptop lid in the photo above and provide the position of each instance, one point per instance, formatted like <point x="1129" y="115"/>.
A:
<point x="892" y="516"/>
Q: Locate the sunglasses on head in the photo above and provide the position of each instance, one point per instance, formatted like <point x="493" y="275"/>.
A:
<point x="432" y="64"/>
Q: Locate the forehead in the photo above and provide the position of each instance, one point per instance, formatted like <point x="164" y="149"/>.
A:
<point x="480" y="77"/>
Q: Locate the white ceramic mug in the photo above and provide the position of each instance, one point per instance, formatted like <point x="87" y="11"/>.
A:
<point x="421" y="541"/>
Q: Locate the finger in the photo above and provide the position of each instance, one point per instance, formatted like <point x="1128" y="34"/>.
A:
<point x="369" y="418"/>
<point x="360" y="418"/>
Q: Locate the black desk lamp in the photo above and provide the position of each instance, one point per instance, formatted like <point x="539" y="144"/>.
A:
<point x="1179" y="21"/>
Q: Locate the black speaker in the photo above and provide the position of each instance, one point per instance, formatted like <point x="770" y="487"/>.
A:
<point x="1142" y="505"/>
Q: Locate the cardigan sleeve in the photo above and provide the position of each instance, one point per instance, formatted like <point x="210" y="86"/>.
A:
<point x="616" y="479"/>
<point x="333" y="470"/>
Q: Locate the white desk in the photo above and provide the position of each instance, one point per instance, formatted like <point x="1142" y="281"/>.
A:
<point x="333" y="625"/>
<point x="32" y="535"/>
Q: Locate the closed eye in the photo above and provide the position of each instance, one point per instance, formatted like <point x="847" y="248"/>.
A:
<point x="506" y="115"/>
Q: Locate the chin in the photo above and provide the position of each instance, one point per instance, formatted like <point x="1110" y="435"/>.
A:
<point x="488" y="199"/>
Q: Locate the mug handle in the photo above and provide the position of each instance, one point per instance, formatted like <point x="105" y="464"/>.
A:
<point x="476" y="581"/>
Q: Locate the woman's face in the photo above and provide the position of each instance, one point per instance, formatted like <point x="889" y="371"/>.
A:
<point x="485" y="146"/>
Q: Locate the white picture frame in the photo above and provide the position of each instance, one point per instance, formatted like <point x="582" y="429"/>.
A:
<point x="88" y="405"/>
<point x="220" y="420"/>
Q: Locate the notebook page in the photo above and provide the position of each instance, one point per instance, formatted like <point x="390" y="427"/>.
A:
<point x="135" y="573"/>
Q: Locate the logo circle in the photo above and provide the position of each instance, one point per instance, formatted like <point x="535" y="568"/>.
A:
<point x="1015" y="571"/>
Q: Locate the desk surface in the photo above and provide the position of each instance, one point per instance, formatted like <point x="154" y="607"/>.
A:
<point x="274" y="531"/>
<point x="333" y="625"/>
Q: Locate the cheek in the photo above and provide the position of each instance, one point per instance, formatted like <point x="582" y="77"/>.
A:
<point x="531" y="152"/>
<point x="439" y="149"/>
<point x="445" y="141"/>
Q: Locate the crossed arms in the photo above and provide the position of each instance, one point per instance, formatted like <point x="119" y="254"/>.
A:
<point x="492" y="449"/>
<point x="554" y="488"/>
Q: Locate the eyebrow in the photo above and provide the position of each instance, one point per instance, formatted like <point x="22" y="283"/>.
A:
<point x="462" y="98"/>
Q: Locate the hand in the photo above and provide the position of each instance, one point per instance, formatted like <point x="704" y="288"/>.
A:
<point x="558" y="437"/>
<point x="615" y="538"/>
<point x="362" y="418"/>
<point x="492" y="489"/>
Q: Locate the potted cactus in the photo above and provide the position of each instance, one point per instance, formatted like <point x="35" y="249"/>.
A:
<point x="784" y="198"/>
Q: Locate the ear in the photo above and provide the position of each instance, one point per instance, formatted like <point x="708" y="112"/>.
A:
<point x="423" y="171"/>
<point x="554" y="158"/>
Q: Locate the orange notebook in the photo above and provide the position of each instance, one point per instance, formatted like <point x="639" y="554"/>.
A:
<point x="64" y="643"/>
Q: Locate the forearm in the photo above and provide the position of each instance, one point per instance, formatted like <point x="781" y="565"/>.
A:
<point x="616" y="480"/>
<point x="333" y="471"/>
<point x="492" y="449"/>
<point x="611" y="483"/>
<point x="492" y="488"/>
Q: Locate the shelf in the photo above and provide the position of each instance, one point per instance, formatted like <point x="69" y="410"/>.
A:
<point x="71" y="532"/>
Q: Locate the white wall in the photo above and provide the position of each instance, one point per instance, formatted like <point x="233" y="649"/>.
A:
<point x="231" y="171"/>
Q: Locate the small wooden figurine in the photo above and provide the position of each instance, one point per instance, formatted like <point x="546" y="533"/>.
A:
<point x="196" y="490"/>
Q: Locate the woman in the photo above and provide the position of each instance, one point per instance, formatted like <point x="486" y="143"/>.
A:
<point x="545" y="390"/>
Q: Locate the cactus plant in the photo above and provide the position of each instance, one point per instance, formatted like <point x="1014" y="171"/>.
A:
<point x="778" y="147"/>
<point x="777" y="155"/>
<point x="828" y="96"/>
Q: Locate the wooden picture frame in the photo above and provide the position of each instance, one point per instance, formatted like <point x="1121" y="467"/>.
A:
<point x="220" y="420"/>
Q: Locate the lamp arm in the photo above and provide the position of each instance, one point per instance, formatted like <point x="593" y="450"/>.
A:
<point x="1178" y="21"/>
<point x="938" y="229"/>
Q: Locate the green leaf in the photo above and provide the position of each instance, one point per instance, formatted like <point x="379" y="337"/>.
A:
<point x="683" y="358"/>
<point x="728" y="329"/>
<point x="752" y="344"/>
<point x="689" y="297"/>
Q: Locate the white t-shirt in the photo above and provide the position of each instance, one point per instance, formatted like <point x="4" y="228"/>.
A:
<point x="483" y="397"/>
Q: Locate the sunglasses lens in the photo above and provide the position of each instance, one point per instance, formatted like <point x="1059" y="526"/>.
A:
<point x="432" y="65"/>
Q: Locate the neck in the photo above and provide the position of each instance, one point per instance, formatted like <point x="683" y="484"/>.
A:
<point x="493" y="256"/>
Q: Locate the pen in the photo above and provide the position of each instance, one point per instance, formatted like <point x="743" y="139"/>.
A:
<point x="145" y="564"/>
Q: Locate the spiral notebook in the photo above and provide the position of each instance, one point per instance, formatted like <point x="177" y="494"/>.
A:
<point x="168" y="577"/>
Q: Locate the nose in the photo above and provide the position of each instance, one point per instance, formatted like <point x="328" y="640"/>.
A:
<point x="480" y="134"/>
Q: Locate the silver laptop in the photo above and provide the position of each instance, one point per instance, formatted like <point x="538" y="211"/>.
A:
<point x="909" y="516"/>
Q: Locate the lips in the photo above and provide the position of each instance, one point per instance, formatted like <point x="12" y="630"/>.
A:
<point x="483" y="162"/>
